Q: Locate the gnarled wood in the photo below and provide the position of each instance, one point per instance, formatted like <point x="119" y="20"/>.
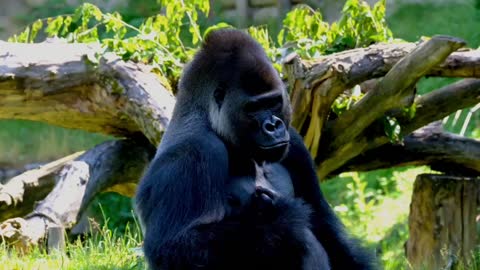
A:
<point x="316" y="84"/>
<point x="106" y="165"/>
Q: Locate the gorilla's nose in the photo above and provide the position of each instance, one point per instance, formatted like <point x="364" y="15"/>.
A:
<point x="274" y="127"/>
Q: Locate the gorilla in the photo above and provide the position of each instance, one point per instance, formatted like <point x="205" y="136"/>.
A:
<point x="232" y="185"/>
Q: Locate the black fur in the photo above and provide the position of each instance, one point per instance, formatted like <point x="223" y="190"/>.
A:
<point x="232" y="186"/>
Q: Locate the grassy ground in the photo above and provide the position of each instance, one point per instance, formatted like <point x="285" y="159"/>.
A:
<point x="106" y="250"/>
<point x="374" y="206"/>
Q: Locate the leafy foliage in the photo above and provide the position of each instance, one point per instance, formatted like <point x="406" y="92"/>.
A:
<point x="166" y="40"/>
<point x="358" y="26"/>
<point x="157" y="41"/>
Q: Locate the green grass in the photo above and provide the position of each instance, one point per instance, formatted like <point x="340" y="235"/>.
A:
<point x="374" y="207"/>
<point x="105" y="250"/>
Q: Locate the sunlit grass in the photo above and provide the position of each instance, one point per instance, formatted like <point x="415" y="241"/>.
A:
<point x="374" y="207"/>
<point x="105" y="250"/>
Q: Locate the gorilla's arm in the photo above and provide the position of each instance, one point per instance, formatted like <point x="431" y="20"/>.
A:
<point x="183" y="188"/>
<point x="266" y="234"/>
<point x="182" y="202"/>
<point x="343" y="252"/>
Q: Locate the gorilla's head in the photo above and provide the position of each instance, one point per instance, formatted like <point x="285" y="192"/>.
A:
<point x="247" y="104"/>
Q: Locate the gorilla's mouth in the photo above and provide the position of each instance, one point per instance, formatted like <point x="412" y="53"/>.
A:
<point x="273" y="146"/>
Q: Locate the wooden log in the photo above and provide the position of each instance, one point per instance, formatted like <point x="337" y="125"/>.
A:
<point x="108" y="164"/>
<point x="442" y="221"/>
<point x="56" y="238"/>
<point x="111" y="97"/>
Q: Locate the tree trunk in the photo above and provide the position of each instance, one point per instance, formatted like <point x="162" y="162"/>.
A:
<point x="442" y="223"/>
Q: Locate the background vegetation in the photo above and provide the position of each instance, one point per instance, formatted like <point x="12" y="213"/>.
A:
<point x="374" y="205"/>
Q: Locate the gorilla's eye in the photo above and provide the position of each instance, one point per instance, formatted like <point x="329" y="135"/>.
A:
<point x="219" y="95"/>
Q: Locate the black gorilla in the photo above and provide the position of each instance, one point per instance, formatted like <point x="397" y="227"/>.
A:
<point x="232" y="186"/>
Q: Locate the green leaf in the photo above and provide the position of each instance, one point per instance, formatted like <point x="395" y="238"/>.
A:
<point x="53" y="26"/>
<point x="36" y="26"/>
<point x="392" y="129"/>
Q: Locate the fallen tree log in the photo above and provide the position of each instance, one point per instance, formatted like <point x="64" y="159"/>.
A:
<point x="103" y="95"/>
<point x="20" y="193"/>
<point x="109" y="164"/>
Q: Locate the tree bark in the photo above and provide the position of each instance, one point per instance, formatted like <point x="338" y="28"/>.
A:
<point x="442" y="221"/>
<point x="444" y="152"/>
<point x="103" y="95"/>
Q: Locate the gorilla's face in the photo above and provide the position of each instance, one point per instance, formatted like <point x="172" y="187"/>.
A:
<point x="254" y="122"/>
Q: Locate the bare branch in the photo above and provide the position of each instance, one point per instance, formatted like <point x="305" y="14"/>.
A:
<point x="429" y="108"/>
<point x="315" y="84"/>
<point x="391" y="88"/>
<point x="387" y="95"/>
<point x="443" y="151"/>
<point x="442" y="102"/>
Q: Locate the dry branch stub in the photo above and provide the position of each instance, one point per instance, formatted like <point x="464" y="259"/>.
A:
<point x="55" y="238"/>
<point x="442" y="221"/>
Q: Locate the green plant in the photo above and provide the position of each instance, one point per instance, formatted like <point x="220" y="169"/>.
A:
<point x="359" y="26"/>
<point x="157" y="41"/>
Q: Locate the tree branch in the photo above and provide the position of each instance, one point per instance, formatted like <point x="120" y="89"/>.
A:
<point x="75" y="90"/>
<point x="392" y="88"/>
<point x="315" y="84"/>
<point x="106" y="165"/>
<point x="387" y="95"/>
<point x="444" y="152"/>
<point x="441" y="103"/>
<point x="431" y="107"/>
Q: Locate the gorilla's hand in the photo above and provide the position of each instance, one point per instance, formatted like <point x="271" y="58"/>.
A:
<point x="264" y="203"/>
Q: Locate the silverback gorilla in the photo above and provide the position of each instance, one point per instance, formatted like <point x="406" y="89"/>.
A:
<point x="232" y="186"/>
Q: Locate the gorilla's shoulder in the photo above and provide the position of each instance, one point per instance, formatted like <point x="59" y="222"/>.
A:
<point x="192" y="146"/>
